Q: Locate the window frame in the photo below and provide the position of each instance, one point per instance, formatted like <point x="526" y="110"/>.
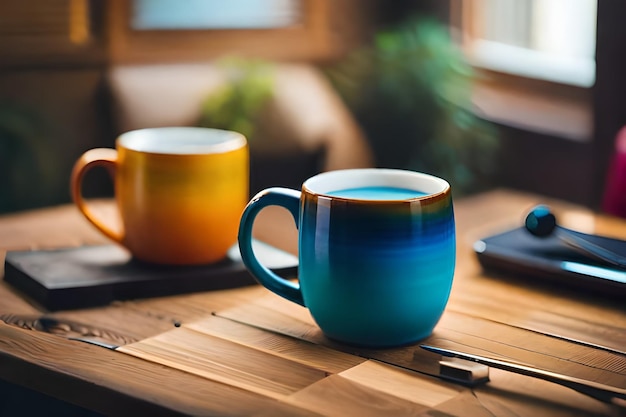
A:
<point x="317" y="38"/>
<point x="57" y="34"/>
<point x="571" y="170"/>
<point x="537" y="105"/>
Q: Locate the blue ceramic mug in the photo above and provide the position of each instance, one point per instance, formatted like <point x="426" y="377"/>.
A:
<point x="376" y="252"/>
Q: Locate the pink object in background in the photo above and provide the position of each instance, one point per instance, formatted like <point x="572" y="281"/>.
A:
<point x="614" y="201"/>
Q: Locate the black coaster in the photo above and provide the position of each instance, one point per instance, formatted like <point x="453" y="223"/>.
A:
<point x="97" y="275"/>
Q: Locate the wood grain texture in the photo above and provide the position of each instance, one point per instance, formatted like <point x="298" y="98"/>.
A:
<point x="593" y="324"/>
<point x="226" y="362"/>
<point x="314" y="355"/>
<point x="460" y="332"/>
<point x="401" y="383"/>
<point x="291" y="370"/>
<point x="338" y="396"/>
<point x="486" y="314"/>
<point x="485" y="337"/>
<point x="116" y="384"/>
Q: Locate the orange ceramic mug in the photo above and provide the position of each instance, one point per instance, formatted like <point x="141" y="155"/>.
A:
<point x="180" y="192"/>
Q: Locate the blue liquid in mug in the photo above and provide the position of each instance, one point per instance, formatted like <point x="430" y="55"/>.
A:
<point x="377" y="193"/>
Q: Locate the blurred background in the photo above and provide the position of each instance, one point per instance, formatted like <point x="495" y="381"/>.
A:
<point x="526" y="94"/>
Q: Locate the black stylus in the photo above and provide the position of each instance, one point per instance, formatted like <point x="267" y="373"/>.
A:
<point x="541" y="222"/>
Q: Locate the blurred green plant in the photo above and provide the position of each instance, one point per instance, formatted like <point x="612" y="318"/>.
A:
<point x="411" y="93"/>
<point x="236" y="103"/>
<point x="28" y="166"/>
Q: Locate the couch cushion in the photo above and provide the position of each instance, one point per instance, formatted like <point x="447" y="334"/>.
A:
<point x="304" y="115"/>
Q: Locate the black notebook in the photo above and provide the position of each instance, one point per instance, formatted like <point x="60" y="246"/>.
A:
<point x="89" y="276"/>
<point x="519" y="254"/>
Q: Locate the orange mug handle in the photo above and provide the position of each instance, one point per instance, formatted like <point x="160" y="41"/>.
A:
<point x="99" y="157"/>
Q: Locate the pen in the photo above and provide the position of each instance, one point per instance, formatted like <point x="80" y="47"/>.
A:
<point x="595" y="390"/>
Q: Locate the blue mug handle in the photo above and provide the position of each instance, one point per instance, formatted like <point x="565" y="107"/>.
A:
<point x="276" y="196"/>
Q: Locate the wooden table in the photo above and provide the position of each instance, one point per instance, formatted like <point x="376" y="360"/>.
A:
<point x="248" y="352"/>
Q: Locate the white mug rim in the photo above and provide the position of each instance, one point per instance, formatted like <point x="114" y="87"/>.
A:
<point x="330" y="181"/>
<point x="181" y="140"/>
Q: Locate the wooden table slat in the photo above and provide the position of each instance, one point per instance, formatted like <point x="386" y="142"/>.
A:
<point x="209" y="371"/>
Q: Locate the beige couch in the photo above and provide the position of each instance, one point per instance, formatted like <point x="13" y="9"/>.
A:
<point x="304" y="116"/>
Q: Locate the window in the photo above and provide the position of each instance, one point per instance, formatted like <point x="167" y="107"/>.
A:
<point x="538" y="57"/>
<point x="148" y="31"/>
<point x="552" y="40"/>
<point x="215" y="14"/>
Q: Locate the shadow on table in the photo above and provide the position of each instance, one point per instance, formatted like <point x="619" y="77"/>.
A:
<point x="16" y="401"/>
